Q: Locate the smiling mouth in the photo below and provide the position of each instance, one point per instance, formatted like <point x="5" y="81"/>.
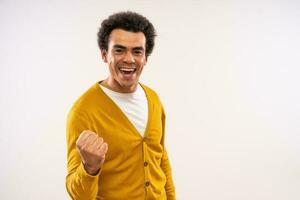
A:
<point x="124" y="70"/>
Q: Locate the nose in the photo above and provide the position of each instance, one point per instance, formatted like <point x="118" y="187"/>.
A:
<point x="128" y="57"/>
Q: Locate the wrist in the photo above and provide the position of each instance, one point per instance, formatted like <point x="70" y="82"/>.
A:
<point x="91" y="170"/>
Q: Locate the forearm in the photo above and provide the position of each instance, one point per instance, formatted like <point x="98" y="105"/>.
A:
<point x="80" y="185"/>
<point x="169" y="187"/>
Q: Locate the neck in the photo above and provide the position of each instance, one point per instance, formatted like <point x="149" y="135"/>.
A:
<point x="115" y="86"/>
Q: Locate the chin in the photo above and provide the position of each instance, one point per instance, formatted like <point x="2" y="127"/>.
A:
<point x="128" y="84"/>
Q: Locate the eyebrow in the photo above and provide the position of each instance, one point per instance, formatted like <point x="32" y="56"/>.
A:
<point x="122" y="47"/>
<point x="119" y="46"/>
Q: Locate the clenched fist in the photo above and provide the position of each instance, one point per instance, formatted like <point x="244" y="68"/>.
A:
<point x="92" y="150"/>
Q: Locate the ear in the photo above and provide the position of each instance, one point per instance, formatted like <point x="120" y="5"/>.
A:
<point x="146" y="59"/>
<point x="104" y="55"/>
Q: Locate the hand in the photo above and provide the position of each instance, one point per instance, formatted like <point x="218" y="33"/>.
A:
<point x="92" y="150"/>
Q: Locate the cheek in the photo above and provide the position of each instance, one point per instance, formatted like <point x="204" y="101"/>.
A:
<point x="112" y="66"/>
<point x="110" y="60"/>
<point x="142" y="62"/>
<point x="112" y="63"/>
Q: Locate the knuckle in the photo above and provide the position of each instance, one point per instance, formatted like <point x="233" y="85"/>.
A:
<point x="78" y="142"/>
<point x="85" y="132"/>
<point x="100" y="139"/>
<point x="79" y="147"/>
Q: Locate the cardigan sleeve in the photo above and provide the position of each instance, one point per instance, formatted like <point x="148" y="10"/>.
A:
<point x="166" y="166"/>
<point x="79" y="184"/>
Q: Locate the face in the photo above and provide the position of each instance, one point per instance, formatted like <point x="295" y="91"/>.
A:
<point x="126" y="59"/>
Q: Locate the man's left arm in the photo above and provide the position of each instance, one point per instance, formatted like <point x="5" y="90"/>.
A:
<point x="166" y="166"/>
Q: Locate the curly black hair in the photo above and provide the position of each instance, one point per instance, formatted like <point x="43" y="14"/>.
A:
<point x="128" y="21"/>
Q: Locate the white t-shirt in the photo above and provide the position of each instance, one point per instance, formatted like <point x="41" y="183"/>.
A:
<point x="134" y="106"/>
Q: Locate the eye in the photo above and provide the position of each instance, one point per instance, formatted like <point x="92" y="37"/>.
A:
<point x="118" y="51"/>
<point x="138" y="52"/>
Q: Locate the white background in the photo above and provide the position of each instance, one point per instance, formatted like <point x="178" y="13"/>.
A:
<point x="226" y="71"/>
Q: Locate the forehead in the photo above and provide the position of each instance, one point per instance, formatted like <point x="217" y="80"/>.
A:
<point x="127" y="38"/>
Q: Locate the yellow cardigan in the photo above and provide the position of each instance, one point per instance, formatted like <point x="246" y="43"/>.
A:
<point x="135" y="168"/>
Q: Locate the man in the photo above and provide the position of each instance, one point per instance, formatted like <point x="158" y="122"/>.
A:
<point x="115" y="130"/>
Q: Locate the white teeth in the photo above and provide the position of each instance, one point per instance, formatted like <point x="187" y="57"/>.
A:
<point x="127" y="69"/>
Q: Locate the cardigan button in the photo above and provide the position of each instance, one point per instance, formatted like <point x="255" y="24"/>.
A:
<point x="145" y="163"/>
<point x="147" y="183"/>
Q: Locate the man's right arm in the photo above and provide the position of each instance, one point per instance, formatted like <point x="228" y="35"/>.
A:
<point x="86" y="154"/>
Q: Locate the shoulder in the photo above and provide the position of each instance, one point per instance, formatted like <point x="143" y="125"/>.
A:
<point x="87" y="100"/>
<point x="151" y="94"/>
